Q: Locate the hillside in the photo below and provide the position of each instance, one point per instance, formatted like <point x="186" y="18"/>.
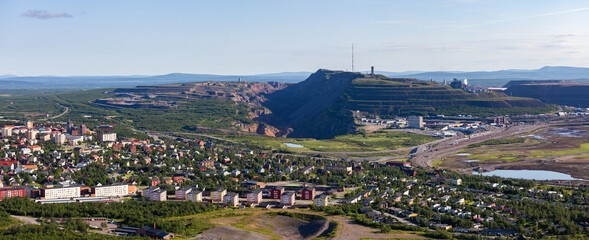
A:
<point x="555" y="92"/>
<point x="319" y="107"/>
<point x="322" y="105"/>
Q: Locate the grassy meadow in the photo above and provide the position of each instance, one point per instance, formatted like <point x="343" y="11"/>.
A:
<point x="369" y="142"/>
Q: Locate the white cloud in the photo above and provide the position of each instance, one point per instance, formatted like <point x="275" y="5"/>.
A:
<point x="44" y="15"/>
<point x="528" y="17"/>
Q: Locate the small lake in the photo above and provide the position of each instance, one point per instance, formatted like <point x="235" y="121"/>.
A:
<point x="293" y="145"/>
<point x="529" y="174"/>
<point x="471" y="160"/>
<point x="462" y="154"/>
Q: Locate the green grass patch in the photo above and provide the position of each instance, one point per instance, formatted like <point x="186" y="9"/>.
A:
<point x="369" y="142"/>
<point x="244" y="222"/>
<point x="297" y="215"/>
<point x="497" y="142"/>
<point x="331" y="231"/>
<point x="8" y="221"/>
<point x="581" y="149"/>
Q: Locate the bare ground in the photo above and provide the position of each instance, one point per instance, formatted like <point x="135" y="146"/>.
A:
<point x="231" y="233"/>
<point x="348" y="230"/>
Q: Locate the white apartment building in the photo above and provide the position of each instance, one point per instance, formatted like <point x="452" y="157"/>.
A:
<point x="159" y="195"/>
<point x="194" y="196"/>
<point x="59" y="138"/>
<point x="61" y="192"/>
<point x="321" y="200"/>
<point x="74" y="140"/>
<point x="6" y="132"/>
<point x="111" y="191"/>
<point x="107" y="137"/>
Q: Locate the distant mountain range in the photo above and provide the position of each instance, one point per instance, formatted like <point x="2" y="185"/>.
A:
<point x="481" y="78"/>
<point x="93" y="82"/>
<point x="502" y="77"/>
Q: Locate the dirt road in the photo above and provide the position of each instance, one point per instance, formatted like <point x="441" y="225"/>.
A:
<point x="27" y="220"/>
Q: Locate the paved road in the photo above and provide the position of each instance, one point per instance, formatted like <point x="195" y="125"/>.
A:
<point x="373" y="152"/>
<point x="150" y="133"/>
<point x="67" y="109"/>
<point x="451" y="145"/>
<point x="400" y="219"/>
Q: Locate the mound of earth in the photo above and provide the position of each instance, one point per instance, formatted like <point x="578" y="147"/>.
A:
<point x="559" y="92"/>
<point x="323" y="105"/>
<point x="292" y="228"/>
<point x="231" y="233"/>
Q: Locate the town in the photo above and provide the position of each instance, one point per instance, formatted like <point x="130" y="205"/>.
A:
<point x="74" y="164"/>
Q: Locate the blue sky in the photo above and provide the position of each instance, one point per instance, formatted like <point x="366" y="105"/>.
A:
<point x="142" y="37"/>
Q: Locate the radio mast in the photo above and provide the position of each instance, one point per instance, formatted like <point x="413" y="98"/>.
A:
<point x="352" y="57"/>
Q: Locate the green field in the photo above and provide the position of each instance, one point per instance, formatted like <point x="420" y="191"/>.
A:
<point x="370" y="142"/>
<point x="514" y="149"/>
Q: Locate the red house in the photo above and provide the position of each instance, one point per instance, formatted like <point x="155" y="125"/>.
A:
<point x="155" y="181"/>
<point x="11" y="192"/>
<point x="275" y="193"/>
<point x="308" y="194"/>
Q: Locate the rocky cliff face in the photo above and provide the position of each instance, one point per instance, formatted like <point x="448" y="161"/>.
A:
<point x="311" y="107"/>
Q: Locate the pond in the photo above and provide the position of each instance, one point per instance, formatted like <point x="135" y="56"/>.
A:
<point x="529" y="174"/>
<point x="470" y="160"/>
<point x="462" y="154"/>
<point x="293" y="145"/>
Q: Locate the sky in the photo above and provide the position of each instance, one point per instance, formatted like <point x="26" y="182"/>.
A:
<point x="144" y="37"/>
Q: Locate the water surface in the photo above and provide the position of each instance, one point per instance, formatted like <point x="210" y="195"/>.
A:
<point x="529" y="174"/>
<point x="293" y="145"/>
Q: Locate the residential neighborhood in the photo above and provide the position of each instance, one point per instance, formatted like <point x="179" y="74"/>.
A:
<point x="49" y="165"/>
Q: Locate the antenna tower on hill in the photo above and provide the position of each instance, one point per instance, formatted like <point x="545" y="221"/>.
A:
<point x="352" y="57"/>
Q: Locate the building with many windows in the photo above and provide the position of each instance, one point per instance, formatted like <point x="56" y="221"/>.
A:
<point x="415" y="121"/>
<point x="61" y="192"/>
<point x="255" y="197"/>
<point x="287" y="198"/>
<point x="194" y="196"/>
<point x="217" y="195"/>
<point x="321" y="200"/>
<point x="12" y="192"/>
<point x="275" y="193"/>
<point x="159" y="195"/>
<point x="111" y="191"/>
<point x="182" y="193"/>
<point x="308" y="194"/>
<point x="231" y="199"/>
<point x="107" y="137"/>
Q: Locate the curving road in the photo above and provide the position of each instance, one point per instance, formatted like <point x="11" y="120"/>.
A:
<point x="67" y="109"/>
